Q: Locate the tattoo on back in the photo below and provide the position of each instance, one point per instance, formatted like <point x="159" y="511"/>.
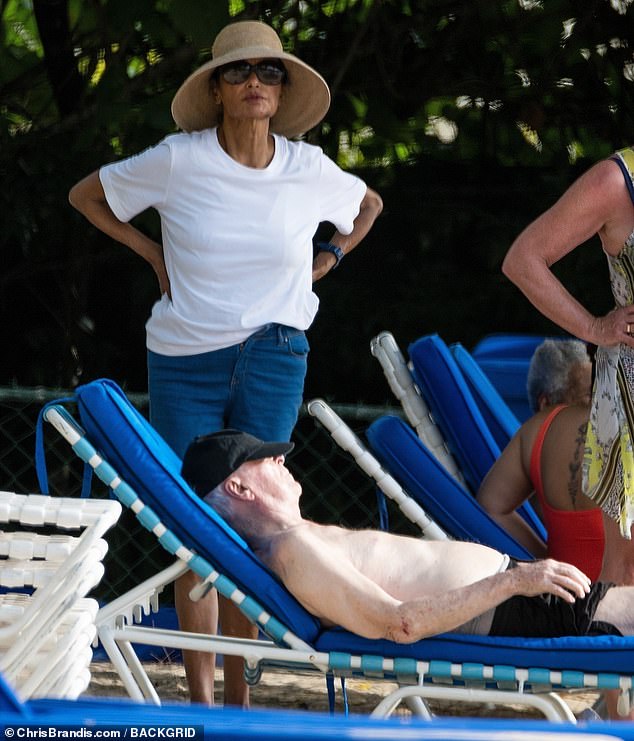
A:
<point x="575" y="465"/>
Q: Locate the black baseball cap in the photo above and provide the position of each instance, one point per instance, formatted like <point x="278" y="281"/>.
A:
<point x="210" y="459"/>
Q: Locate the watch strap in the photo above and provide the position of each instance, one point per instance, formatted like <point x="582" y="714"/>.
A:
<point x="333" y="249"/>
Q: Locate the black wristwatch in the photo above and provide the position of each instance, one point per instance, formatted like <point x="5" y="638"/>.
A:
<point x="332" y="248"/>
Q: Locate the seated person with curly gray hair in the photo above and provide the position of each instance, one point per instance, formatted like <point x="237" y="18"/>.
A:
<point x="545" y="457"/>
<point x="560" y="372"/>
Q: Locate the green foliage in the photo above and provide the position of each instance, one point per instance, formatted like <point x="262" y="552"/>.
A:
<point x="468" y="116"/>
<point x="198" y="22"/>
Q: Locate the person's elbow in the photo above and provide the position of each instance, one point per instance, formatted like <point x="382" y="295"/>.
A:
<point x="521" y="261"/>
<point x="87" y="191"/>
<point x="383" y="622"/>
<point x="511" y="265"/>
<point x="401" y="629"/>
<point x="373" y="203"/>
<point x="400" y="634"/>
<point x="498" y="511"/>
<point x="484" y="501"/>
<point x="73" y="196"/>
<point x="495" y="503"/>
<point x="396" y="630"/>
<point x="489" y="500"/>
<point x="78" y="197"/>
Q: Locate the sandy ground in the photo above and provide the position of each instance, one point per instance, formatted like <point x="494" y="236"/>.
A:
<point x="306" y="691"/>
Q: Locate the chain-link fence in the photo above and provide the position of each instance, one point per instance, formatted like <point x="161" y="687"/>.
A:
<point x="335" y="489"/>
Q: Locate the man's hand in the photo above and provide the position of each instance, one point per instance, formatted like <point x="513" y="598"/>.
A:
<point x="555" y="577"/>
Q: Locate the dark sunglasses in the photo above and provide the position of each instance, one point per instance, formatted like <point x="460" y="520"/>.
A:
<point x="268" y="73"/>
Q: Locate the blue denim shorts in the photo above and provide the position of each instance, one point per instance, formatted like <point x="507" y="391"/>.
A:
<point x="255" y="386"/>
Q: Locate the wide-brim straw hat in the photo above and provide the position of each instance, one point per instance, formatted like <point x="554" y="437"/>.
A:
<point x="306" y="96"/>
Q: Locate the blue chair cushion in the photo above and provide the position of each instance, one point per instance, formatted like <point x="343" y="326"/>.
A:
<point x="505" y="358"/>
<point x="572" y="653"/>
<point x="427" y="481"/>
<point x="499" y="418"/>
<point x="452" y="404"/>
<point x="507" y="345"/>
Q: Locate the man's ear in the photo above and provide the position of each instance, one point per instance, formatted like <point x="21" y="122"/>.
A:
<point x="235" y="487"/>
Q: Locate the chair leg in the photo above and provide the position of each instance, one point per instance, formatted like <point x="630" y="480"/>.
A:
<point x="138" y="672"/>
<point x="121" y="665"/>
<point x="128" y="606"/>
<point x="549" y="704"/>
<point x="599" y="707"/>
<point x="418" y="707"/>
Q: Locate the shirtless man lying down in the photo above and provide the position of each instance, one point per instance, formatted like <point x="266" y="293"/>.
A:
<point x="381" y="585"/>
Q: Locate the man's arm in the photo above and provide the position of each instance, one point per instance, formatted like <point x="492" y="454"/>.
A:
<point x="439" y="613"/>
<point x="505" y="487"/>
<point x="336" y="592"/>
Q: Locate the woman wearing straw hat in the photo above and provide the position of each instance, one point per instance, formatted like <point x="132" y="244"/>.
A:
<point x="239" y="205"/>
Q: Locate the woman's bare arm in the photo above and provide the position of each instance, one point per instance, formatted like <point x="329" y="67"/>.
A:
<point x="370" y="207"/>
<point x="88" y="197"/>
<point x="597" y="203"/>
<point x="506" y="486"/>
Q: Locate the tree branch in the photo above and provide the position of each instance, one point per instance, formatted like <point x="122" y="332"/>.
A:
<point x="61" y="68"/>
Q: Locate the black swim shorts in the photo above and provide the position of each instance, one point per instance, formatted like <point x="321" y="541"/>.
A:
<point x="548" y="616"/>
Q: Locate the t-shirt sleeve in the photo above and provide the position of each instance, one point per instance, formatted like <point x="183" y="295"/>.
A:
<point x="139" y="182"/>
<point x="340" y="194"/>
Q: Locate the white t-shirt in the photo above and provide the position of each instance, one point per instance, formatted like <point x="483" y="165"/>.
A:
<point x="237" y="240"/>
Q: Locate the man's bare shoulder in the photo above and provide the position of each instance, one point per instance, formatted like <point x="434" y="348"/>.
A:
<point x="291" y="546"/>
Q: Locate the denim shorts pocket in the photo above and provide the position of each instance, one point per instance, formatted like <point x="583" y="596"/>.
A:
<point x="297" y="342"/>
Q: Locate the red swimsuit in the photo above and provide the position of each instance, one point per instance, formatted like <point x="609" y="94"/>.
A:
<point x="576" y="537"/>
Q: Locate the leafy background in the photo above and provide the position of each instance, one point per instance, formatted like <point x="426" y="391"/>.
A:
<point x="469" y="117"/>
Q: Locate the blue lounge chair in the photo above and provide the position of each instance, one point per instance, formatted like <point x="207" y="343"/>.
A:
<point x="498" y="417"/>
<point x="457" y="414"/>
<point x="120" y="718"/>
<point x="127" y="454"/>
<point x="505" y="359"/>
<point x="409" y="474"/>
<point x="446" y="501"/>
<point x="399" y="377"/>
<point x="464" y="423"/>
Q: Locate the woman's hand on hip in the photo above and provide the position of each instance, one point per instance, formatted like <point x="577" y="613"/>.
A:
<point x="89" y="198"/>
<point x="323" y="263"/>
<point x="163" y="279"/>
<point x="616" y="327"/>
<point x="157" y="261"/>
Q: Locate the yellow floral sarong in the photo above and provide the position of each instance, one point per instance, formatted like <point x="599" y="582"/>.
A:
<point x="608" y="468"/>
